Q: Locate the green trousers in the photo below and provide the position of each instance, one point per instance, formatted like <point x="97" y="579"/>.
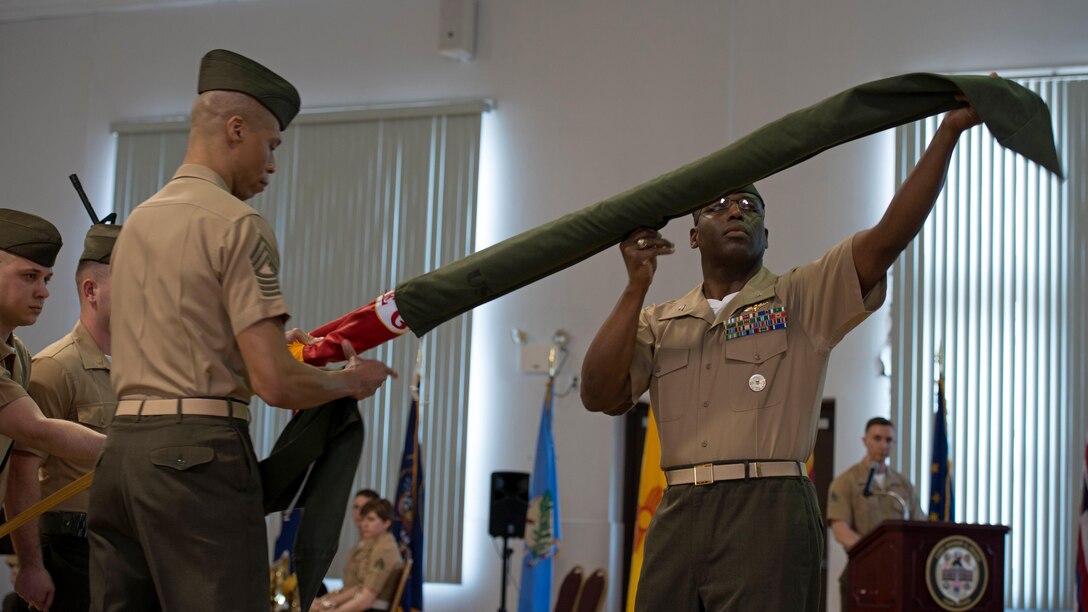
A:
<point x="176" y="521"/>
<point x="734" y="546"/>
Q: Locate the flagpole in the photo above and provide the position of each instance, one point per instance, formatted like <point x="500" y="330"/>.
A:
<point x="414" y="389"/>
<point x="506" y="552"/>
<point x="542" y="531"/>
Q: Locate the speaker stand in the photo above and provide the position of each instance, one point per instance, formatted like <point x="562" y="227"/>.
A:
<point x="506" y="552"/>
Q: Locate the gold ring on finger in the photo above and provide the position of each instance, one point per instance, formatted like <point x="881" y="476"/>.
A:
<point x="641" y="243"/>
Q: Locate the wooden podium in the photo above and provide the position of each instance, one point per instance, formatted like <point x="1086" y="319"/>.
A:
<point x="921" y="565"/>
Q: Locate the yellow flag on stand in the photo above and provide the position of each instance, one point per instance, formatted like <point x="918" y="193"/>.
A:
<point x="651" y="488"/>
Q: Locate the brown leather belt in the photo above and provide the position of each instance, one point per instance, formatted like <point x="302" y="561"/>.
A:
<point x="709" y="473"/>
<point x="200" y="406"/>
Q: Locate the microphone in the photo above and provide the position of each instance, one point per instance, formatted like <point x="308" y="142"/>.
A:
<point x="869" y="481"/>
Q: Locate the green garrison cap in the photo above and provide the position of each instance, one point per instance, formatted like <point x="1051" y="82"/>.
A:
<point x="98" y="245"/>
<point x="226" y="70"/>
<point x="29" y="236"/>
<point x="751" y="190"/>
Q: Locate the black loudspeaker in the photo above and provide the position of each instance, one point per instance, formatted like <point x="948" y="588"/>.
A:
<point x="509" y="503"/>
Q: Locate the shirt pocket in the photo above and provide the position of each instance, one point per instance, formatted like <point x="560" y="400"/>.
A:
<point x="751" y="361"/>
<point x="96" y="415"/>
<point x="672" y="380"/>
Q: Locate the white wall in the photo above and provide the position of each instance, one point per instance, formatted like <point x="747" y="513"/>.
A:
<point x="593" y="98"/>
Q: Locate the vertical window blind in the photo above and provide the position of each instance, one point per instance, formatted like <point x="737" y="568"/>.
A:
<point x="994" y="284"/>
<point x="361" y="200"/>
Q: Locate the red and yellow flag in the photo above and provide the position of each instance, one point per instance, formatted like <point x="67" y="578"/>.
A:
<point x="651" y="488"/>
<point x="373" y="324"/>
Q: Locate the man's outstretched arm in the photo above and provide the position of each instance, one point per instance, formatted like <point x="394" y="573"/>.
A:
<point x="876" y="249"/>
<point x="282" y="381"/>
<point x="22" y="421"/>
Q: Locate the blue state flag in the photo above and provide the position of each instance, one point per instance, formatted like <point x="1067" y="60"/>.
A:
<point x="542" y="520"/>
<point x="408" y="511"/>
<point x="941" y="506"/>
<point x="285" y="542"/>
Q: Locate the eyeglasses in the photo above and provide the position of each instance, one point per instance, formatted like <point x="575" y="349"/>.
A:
<point x="746" y="204"/>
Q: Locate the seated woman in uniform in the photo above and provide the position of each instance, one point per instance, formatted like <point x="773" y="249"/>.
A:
<point x="369" y="574"/>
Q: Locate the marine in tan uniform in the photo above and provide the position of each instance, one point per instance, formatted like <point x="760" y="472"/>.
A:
<point x="176" y="519"/>
<point x="869" y="493"/>
<point x="735" y="371"/>
<point x="369" y="574"/>
<point x="28" y="250"/>
<point x="853" y="511"/>
<point x="70" y="381"/>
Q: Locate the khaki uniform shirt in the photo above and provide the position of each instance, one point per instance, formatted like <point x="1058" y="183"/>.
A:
<point x="71" y="381"/>
<point x="372" y="563"/>
<point x="747" y="384"/>
<point x="193" y="267"/>
<point x="846" y="502"/>
<point x="15" y="370"/>
<point x="14" y="377"/>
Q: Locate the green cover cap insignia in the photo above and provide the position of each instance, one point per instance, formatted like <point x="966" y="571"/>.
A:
<point x="228" y="71"/>
<point x="29" y="236"/>
<point x="98" y="245"/>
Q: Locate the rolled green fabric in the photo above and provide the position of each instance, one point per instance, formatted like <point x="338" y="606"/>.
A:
<point x="314" y="461"/>
<point x="1018" y="119"/>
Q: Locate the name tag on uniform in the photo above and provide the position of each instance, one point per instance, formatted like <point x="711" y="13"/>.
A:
<point x="755" y="322"/>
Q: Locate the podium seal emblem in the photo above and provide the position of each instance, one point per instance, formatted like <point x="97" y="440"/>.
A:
<point x="956" y="573"/>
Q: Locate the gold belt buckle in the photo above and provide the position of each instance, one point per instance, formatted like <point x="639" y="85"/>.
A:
<point x="708" y="474"/>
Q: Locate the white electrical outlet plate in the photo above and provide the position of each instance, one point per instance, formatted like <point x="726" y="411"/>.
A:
<point x="534" y="358"/>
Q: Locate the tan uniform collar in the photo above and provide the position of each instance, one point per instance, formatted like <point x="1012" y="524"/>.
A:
<point x="7" y="347"/>
<point x="759" y="288"/>
<point x="203" y="173"/>
<point x="693" y="304"/>
<point x="89" y="353"/>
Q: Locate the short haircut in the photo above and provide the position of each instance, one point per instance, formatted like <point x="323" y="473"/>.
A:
<point x="212" y="108"/>
<point x="90" y="269"/>
<point x="878" y="421"/>
<point x="371" y="493"/>
<point x="378" y="506"/>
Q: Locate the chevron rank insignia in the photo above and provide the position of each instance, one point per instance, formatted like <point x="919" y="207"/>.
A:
<point x="266" y="266"/>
